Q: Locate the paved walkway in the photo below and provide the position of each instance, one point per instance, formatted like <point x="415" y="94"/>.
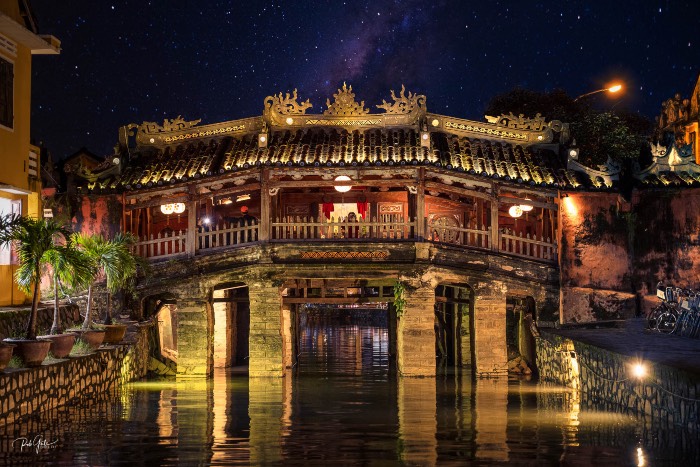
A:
<point x="633" y="339"/>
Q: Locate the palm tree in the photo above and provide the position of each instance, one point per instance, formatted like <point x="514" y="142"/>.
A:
<point x="69" y="266"/>
<point x="112" y="259"/>
<point x="37" y="241"/>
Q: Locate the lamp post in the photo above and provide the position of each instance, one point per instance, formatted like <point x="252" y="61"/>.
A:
<point x="612" y="89"/>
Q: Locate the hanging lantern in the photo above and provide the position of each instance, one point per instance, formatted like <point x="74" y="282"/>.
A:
<point x="342" y="188"/>
<point x="526" y="207"/>
<point x="515" y="211"/>
<point x="170" y="208"/>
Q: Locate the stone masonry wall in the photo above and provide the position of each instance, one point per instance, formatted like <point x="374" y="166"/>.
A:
<point x="26" y="391"/>
<point x="669" y="397"/>
<point x="613" y="251"/>
<point x="11" y="319"/>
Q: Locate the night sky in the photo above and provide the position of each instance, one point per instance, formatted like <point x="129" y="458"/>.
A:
<point x="134" y="61"/>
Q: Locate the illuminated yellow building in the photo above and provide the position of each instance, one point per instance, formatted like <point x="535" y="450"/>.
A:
<point x="20" y="185"/>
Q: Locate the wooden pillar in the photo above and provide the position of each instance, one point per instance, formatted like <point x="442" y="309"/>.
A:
<point x="264" y="233"/>
<point x="420" y="206"/>
<point x="191" y="236"/>
<point x="495" y="237"/>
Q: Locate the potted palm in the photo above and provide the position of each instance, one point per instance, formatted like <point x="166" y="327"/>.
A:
<point x="34" y="240"/>
<point x="70" y="266"/>
<point x="113" y="260"/>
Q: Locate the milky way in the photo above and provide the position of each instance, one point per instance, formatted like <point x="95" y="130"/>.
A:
<point x="134" y="61"/>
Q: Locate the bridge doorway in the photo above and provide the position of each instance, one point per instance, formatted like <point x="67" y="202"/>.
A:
<point x="231" y="326"/>
<point x="520" y="342"/>
<point x="454" y="326"/>
<point x="341" y="328"/>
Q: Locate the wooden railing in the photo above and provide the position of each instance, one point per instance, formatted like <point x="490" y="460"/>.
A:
<point x="162" y="245"/>
<point x="303" y="228"/>
<point x="227" y="235"/>
<point x="515" y="244"/>
<point x="300" y="229"/>
<point x="474" y="237"/>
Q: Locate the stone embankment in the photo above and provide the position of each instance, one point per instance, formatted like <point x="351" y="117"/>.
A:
<point x="667" y="395"/>
<point x="26" y="392"/>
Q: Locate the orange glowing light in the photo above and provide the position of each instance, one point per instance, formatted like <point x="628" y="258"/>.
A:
<point x="570" y="206"/>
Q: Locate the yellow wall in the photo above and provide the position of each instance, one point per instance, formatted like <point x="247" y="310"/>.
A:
<point x="14" y="143"/>
<point x="14" y="149"/>
<point x="9" y="293"/>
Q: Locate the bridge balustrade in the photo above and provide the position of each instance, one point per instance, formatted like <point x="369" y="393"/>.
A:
<point x="320" y="229"/>
<point x="309" y="229"/>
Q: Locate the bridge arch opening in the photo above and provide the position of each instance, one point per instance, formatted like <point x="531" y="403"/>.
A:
<point x="231" y="333"/>
<point x="339" y="327"/>
<point x="162" y="308"/>
<point x="521" y="312"/>
<point x="454" y="326"/>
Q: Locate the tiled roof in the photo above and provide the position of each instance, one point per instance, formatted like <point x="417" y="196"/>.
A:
<point x="339" y="147"/>
<point x="680" y="179"/>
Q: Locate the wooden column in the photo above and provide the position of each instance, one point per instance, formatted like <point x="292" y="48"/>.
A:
<point x="191" y="237"/>
<point x="495" y="239"/>
<point x="264" y="233"/>
<point x="420" y="205"/>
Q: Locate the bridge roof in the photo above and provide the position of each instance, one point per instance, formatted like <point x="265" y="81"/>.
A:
<point x="509" y="148"/>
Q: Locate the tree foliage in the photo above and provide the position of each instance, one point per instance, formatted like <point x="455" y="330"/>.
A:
<point x="40" y="243"/>
<point x="112" y="259"/>
<point x="618" y="135"/>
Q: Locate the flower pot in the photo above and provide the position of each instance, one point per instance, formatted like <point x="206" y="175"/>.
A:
<point x="61" y="344"/>
<point x="114" y="333"/>
<point x="5" y="354"/>
<point x="32" y="352"/>
<point x="93" y="337"/>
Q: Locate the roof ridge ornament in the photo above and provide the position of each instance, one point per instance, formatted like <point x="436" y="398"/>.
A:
<point x="286" y="105"/>
<point x="403" y="104"/>
<point x="345" y="103"/>
<point x="174" y="124"/>
<point x="521" y="122"/>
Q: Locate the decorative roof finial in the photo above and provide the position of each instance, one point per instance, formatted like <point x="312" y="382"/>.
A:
<point x="345" y="103"/>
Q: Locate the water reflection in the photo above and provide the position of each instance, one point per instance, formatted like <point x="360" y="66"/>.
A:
<point x="345" y="405"/>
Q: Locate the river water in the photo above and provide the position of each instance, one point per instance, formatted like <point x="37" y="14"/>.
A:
<point x="343" y="405"/>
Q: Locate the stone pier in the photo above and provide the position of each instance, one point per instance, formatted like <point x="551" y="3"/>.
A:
<point x="490" y="350"/>
<point x="193" y="338"/>
<point x="416" y="332"/>
<point x="266" y="346"/>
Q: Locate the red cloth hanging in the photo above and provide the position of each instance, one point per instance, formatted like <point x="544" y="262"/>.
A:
<point x="362" y="207"/>
<point x="327" y="209"/>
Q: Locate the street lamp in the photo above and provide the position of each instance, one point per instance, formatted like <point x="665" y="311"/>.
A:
<point x="613" y="89"/>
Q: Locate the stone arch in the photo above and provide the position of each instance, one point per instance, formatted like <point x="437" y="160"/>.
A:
<point x="162" y="309"/>
<point x="454" y="327"/>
